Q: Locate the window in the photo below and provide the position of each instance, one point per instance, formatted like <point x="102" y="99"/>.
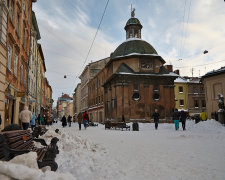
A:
<point x="11" y="11"/>
<point x="181" y="102"/>
<point x="9" y="57"/>
<point x="201" y="89"/>
<point x="18" y="24"/>
<point x="136" y="96"/>
<point x="136" y="33"/>
<point x="156" y="88"/>
<point x="196" y="103"/>
<point x="21" y="74"/>
<point x="181" y="89"/>
<point x="195" y="89"/>
<point x="25" y="5"/>
<point x="130" y="33"/>
<point x="23" y="35"/>
<point x="156" y="96"/>
<point x="203" y="103"/>
<point x="136" y="87"/>
<point x="15" y="64"/>
<point x="25" y="77"/>
<point x="114" y="104"/>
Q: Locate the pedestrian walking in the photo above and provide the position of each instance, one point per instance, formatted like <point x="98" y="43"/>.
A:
<point x="85" y="119"/>
<point x="25" y="117"/>
<point x="69" y="119"/>
<point x="42" y="120"/>
<point x="156" y="116"/>
<point x="183" y="118"/>
<point x="64" y="123"/>
<point x="33" y="121"/>
<point x="176" y="118"/>
<point x="79" y="119"/>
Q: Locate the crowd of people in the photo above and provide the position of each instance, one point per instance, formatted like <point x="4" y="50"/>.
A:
<point x="28" y="118"/>
<point x="177" y="118"/>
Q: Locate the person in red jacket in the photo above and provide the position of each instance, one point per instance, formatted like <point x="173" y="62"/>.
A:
<point x="85" y="119"/>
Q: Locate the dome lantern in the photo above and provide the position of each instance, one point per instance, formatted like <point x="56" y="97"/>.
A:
<point x="133" y="27"/>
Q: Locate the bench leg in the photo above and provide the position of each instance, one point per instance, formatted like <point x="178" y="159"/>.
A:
<point x="52" y="164"/>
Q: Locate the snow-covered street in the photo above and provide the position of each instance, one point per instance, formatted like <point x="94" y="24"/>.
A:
<point x="96" y="153"/>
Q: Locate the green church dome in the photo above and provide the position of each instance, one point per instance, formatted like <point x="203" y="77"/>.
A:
<point x="133" y="46"/>
<point x="133" y="21"/>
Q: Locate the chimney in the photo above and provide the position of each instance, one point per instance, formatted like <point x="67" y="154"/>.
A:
<point x="177" y="71"/>
<point x="169" y="68"/>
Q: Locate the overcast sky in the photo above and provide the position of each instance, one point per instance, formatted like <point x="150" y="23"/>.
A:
<point x="177" y="29"/>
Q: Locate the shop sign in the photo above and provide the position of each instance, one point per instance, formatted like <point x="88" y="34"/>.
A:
<point x="20" y="94"/>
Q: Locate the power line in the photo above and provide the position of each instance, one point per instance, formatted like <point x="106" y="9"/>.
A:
<point x="95" y="35"/>
<point x="93" y="40"/>
<point x="200" y="64"/>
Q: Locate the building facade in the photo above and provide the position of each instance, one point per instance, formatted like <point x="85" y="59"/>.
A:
<point x="214" y="83"/>
<point x="18" y="46"/>
<point x="3" y="58"/>
<point x="88" y="73"/>
<point x="77" y="101"/>
<point x="196" y="97"/>
<point x="62" y="104"/>
<point x="33" y="63"/>
<point x="41" y="69"/>
<point x="181" y="93"/>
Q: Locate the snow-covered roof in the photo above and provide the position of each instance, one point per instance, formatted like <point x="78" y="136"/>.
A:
<point x="137" y="54"/>
<point x="132" y="39"/>
<point x="144" y="74"/>
<point x="215" y="72"/>
<point x="180" y="80"/>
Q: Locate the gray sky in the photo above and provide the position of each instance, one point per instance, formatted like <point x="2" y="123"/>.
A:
<point x="177" y="29"/>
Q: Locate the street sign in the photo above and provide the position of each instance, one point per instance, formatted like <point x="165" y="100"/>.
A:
<point x="20" y="94"/>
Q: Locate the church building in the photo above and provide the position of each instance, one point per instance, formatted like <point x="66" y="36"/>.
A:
<point x="135" y="81"/>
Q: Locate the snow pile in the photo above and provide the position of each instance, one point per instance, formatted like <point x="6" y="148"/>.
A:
<point x="24" y="167"/>
<point x="96" y="153"/>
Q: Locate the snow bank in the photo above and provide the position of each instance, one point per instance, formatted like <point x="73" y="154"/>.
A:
<point x="96" y="153"/>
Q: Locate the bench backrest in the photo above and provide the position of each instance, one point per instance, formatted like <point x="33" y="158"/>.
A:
<point x="17" y="140"/>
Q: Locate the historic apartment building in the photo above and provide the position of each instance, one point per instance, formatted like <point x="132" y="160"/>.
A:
<point x="3" y="58"/>
<point x="62" y="104"/>
<point x="133" y="83"/>
<point x="181" y="93"/>
<point x="18" y="46"/>
<point x="190" y="95"/>
<point x="77" y="100"/>
<point x="41" y="69"/>
<point x="196" y="96"/>
<point x="88" y="73"/>
<point x="33" y="63"/>
<point x="214" y="83"/>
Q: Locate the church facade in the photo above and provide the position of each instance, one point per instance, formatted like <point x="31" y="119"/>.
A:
<point x="135" y="81"/>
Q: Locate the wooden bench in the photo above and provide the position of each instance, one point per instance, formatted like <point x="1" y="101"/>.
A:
<point x="13" y="143"/>
<point x="115" y="125"/>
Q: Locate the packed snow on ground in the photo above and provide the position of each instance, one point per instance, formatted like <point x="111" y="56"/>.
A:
<point x="99" y="154"/>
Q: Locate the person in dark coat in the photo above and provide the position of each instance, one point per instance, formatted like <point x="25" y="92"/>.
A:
<point x="176" y="117"/>
<point x="156" y="116"/>
<point x="79" y="119"/>
<point x="183" y="118"/>
<point x="69" y="119"/>
<point x="39" y="119"/>
<point x="64" y="123"/>
<point x="85" y="119"/>
<point x="123" y="118"/>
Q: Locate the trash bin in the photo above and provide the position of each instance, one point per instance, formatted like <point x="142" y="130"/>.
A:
<point x="135" y="126"/>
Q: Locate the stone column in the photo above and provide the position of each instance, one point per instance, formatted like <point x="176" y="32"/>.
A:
<point x="3" y="58"/>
